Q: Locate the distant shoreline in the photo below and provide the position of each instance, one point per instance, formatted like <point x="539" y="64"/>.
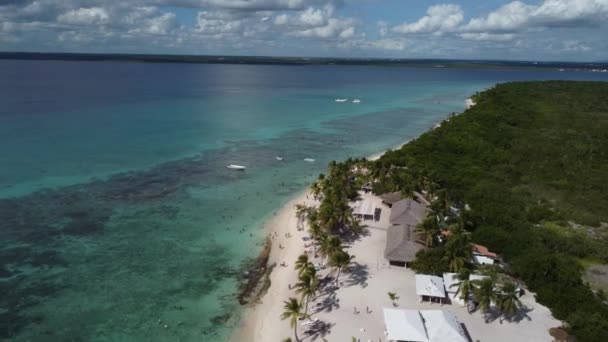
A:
<point x="308" y="61"/>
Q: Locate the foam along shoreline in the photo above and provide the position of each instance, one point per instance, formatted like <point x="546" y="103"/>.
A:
<point x="468" y="103"/>
<point x="357" y="306"/>
<point x="261" y="320"/>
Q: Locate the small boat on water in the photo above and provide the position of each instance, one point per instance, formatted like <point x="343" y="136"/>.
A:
<point x="279" y="158"/>
<point x="356" y="101"/>
<point x="310" y="160"/>
<point x="341" y="100"/>
<point x="236" y="167"/>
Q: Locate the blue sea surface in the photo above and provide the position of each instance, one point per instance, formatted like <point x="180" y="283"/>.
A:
<point x="118" y="215"/>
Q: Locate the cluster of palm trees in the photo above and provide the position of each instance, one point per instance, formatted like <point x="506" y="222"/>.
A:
<point x="308" y="283"/>
<point x="493" y="289"/>
<point x="333" y="215"/>
<point x="336" y="191"/>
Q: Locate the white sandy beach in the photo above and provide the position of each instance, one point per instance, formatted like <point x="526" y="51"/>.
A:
<point x="366" y="287"/>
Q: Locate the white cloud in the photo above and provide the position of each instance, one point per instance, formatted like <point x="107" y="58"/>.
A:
<point x="559" y="29"/>
<point x="518" y="16"/>
<point x="85" y="16"/>
<point x="382" y="28"/>
<point x="281" y="19"/>
<point x="249" y="5"/>
<point x="575" y="46"/>
<point x="213" y="23"/>
<point x="387" y="44"/>
<point x="376" y="45"/>
<point x="150" y="20"/>
<point x="497" y="37"/>
<point x="439" y="18"/>
<point x="310" y="17"/>
<point x="335" y="28"/>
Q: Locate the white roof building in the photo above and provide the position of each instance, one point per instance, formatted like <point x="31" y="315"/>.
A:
<point x="364" y="208"/>
<point x="430" y="286"/>
<point x="422" y="326"/>
<point x="404" y="325"/>
<point x="442" y="326"/>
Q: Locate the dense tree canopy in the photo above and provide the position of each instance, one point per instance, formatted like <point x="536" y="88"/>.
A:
<point x="529" y="159"/>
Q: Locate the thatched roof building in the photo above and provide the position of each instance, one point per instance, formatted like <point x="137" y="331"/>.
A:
<point x="390" y="198"/>
<point x="401" y="245"/>
<point x="402" y="241"/>
<point x="406" y="212"/>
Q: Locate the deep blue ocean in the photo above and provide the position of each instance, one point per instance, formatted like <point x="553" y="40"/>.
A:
<point x="117" y="210"/>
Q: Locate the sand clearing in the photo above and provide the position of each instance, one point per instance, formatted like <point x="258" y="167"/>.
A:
<point x="364" y="289"/>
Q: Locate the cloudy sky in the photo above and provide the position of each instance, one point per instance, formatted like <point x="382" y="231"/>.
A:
<point x="473" y="29"/>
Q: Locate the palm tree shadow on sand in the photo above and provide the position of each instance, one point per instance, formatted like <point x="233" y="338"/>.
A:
<point x="318" y="330"/>
<point x="358" y="275"/>
<point x="494" y="314"/>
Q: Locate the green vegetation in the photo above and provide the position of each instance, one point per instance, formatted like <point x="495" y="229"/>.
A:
<point x="531" y="162"/>
<point x="293" y="312"/>
<point x="393" y="297"/>
<point x="327" y="223"/>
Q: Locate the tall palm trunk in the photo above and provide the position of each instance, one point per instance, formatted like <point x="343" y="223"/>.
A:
<point x="306" y="306"/>
<point x="295" y="331"/>
<point x="338" y="275"/>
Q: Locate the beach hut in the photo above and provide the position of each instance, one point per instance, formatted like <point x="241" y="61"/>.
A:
<point x="430" y="287"/>
<point x="422" y="326"/>
<point x="401" y="245"/>
<point x="402" y="242"/>
<point x="391" y="198"/>
<point x="407" y="211"/>
<point x="483" y="256"/>
<point x="364" y="209"/>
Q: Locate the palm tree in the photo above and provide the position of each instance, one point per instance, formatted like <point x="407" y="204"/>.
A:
<point x="464" y="286"/>
<point x="293" y="311"/>
<point x="484" y="293"/>
<point x="457" y="251"/>
<point x="356" y="227"/>
<point x="307" y="287"/>
<point x="340" y="260"/>
<point x="316" y="189"/>
<point x="330" y="244"/>
<point x="303" y="265"/>
<point x="393" y="297"/>
<point x="315" y="230"/>
<point x="441" y="204"/>
<point x="428" y="230"/>
<point x="508" y="302"/>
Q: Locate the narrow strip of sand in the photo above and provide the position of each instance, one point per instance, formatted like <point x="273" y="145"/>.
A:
<point x="261" y="321"/>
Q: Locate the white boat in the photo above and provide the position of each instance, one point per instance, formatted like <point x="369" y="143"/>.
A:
<point x="310" y="160"/>
<point x="356" y="101"/>
<point x="341" y="100"/>
<point x="236" y="167"/>
<point x="279" y="158"/>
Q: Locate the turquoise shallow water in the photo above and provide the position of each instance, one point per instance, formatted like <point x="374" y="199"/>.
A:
<point x="117" y="211"/>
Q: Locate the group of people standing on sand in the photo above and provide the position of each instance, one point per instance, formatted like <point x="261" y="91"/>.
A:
<point x="367" y="310"/>
<point x="275" y="235"/>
